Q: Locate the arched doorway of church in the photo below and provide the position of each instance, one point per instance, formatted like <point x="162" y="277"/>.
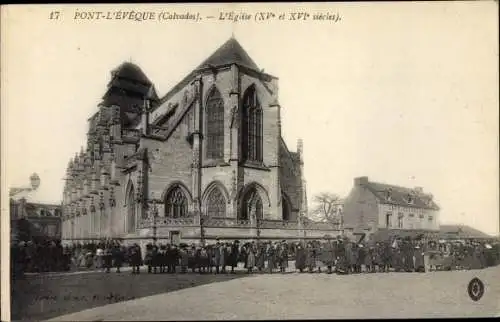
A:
<point x="285" y="209"/>
<point x="251" y="205"/>
<point x="130" y="210"/>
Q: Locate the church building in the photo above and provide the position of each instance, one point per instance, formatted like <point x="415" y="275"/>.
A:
<point x="206" y="160"/>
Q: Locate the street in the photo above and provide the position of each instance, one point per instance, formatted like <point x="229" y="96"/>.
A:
<point x="98" y="296"/>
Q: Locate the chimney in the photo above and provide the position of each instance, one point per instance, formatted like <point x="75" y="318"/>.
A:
<point x="360" y="181"/>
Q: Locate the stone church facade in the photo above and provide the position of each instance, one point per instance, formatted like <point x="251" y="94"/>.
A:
<point x="206" y="160"/>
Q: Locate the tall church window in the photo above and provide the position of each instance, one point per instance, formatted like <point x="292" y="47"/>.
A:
<point x="130" y="210"/>
<point x="176" y="205"/>
<point x="252" y="126"/>
<point x="215" y="125"/>
<point x="216" y="204"/>
<point x="285" y="209"/>
<point x="252" y="204"/>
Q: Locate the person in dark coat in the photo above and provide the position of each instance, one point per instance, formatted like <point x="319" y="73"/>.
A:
<point x="108" y="258"/>
<point x="243" y="253"/>
<point x="397" y="259"/>
<point x="162" y="258"/>
<point x="250" y="259"/>
<point x="184" y="259"/>
<point x="271" y="257"/>
<point x="204" y="259"/>
<point x="341" y="265"/>
<point x="361" y="257"/>
<point x="233" y="256"/>
<point x="174" y="258"/>
<point x="261" y="257"/>
<point x="283" y="257"/>
<point x="135" y="258"/>
<point x="300" y="258"/>
<point x="118" y="257"/>
<point x="328" y="256"/>
<point x="210" y="260"/>
<point x="419" y="259"/>
<point x="169" y="258"/>
<point x="387" y="257"/>
<point x="369" y="257"/>
<point x="310" y="257"/>
<point x="218" y="256"/>
<point x="377" y="257"/>
<point x="408" y="252"/>
<point x="148" y="259"/>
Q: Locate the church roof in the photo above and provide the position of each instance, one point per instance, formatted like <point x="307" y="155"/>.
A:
<point x="231" y="52"/>
<point x="131" y="72"/>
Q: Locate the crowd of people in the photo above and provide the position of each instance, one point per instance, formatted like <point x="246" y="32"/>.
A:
<point x="341" y="256"/>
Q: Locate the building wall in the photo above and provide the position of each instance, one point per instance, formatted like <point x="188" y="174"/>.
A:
<point x="268" y="179"/>
<point x="413" y="218"/>
<point x="290" y="181"/>
<point x="360" y="208"/>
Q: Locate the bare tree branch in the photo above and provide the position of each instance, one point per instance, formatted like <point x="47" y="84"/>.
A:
<point x="325" y="206"/>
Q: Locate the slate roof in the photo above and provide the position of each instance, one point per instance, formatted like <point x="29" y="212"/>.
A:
<point x="461" y="231"/>
<point x="131" y="72"/>
<point x="399" y="196"/>
<point x="36" y="197"/>
<point x="231" y="52"/>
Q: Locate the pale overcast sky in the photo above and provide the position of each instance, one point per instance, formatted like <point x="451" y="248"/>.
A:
<point x="403" y="93"/>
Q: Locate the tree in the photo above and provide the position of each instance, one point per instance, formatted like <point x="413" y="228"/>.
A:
<point x="326" y="208"/>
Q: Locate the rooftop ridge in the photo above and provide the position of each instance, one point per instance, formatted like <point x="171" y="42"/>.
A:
<point x="229" y="53"/>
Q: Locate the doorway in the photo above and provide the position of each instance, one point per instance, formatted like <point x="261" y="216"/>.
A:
<point x="175" y="237"/>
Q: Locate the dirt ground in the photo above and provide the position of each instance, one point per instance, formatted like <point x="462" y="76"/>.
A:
<point x="277" y="296"/>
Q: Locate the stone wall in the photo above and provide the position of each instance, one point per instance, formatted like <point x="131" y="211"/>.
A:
<point x="360" y="208"/>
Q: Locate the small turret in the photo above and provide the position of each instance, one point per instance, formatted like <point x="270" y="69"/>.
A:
<point x="104" y="177"/>
<point x="69" y="169"/>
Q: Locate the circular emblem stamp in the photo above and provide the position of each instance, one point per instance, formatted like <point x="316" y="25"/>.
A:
<point x="476" y="289"/>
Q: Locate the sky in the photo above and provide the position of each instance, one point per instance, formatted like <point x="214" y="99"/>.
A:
<point x="404" y="93"/>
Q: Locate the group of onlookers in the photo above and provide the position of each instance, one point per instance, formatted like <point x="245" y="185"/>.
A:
<point x="339" y="255"/>
<point x="35" y="256"/>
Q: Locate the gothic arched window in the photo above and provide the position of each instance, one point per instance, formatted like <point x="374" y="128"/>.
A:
<point x="176" y="205"/>
<point x="130" y="210"/>
<point x="285" y="209"/>
<point x="215" y="125"/>
<point x="251" y="126"/>
<point x="216" y="204"/>
<point x="251" y="203"/>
